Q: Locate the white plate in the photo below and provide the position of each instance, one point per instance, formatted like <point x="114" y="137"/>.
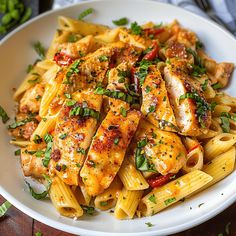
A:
<point x="16" y="53"/>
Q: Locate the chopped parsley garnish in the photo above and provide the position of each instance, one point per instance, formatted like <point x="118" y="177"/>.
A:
<point x="40" y="50"/>
<point x="149" y="224"/>
<point x="49" y="141"/>
<point x="88" y="209"/>
<point x="199" y="44"/>
<point x="169" y="201"/>
<point x="141" y="160"/>
<point x="197" y="59"/>
<point x="72" y="38"/>
<point x="85" y="13"/>
<point x="42" y="195"/>
<point x="213" y="105"/>
<point x="123" y="111"/>
<point x="63" y="136"/>
<point x="225" y="125"/>
<point x="63" y="167"/>
<point x="200" y="204"/>
<point x="198" y="70"/>
<point x="143" y="70"/>
<point x="103" y="203"/>
<point x="37" y="139"/>
<point x="116" y="140"/>
<point x="78" y="165"/>
<point x="121" y="21"/>
<point x="216" y="86"/>
<point x="71" y="103"/>
<point x="34" y="81"/>
<point x="73" y="69"/>
<point x="85" y="112"/>
<point x="147" y="89"/>
<point x="3" y="115"/>
<point x="123" y="74"/>
<point x="151" y="109"/>
<point x="202" y="106"/>
<point x="4" y="208"/>
<point x="38" y="97"/>
<point x="204" y="85"/>
<point x="152" y="198"/>
<point x="38" y="233"/>
<point x="67" y="95"/>
<point x="103" y="58"/>
<point x="80" y="150"/>
<point x="118" y="95"/>
<point x="29" y="68"/>
<point x="21" y="123"/>
<point x="17" y="152"/>
<point x="136" y="29"/>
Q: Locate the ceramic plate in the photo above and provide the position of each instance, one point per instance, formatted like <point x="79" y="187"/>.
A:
<point x="16" y="53"/>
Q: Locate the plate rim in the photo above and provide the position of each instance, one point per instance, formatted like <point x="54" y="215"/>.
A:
<point x="75" y="229"/>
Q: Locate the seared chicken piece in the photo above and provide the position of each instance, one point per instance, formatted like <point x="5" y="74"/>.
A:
<point x="192" y="112"/>
<point x="78" y="49"/>
<point x="31" y="100"/>
<point x="24" y="126"/>
<point x="107" y="150"/>
<point x="31" y="160"/>
<point x="156" y="106"/>
<point x="163" y="150"/>
<point x="73" y="134"/>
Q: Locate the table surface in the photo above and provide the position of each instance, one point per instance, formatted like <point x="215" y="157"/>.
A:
<point x="16" y="223"/>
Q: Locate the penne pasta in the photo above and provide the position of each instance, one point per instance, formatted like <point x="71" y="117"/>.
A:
<point x="160" y="198"/>
<point x="108" y="198"/>
<point x="131" y="178"/>
<point x="127" y="203"/>
<point x="218" y="145"/>
<point x="64" y="199"/>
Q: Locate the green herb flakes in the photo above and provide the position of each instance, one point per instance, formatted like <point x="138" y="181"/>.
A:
<point x="4" y="208"/>
<point x="3" y="115"/>
<point x="40" y="50"/>
<point x="169" y="201"/>
<point x="85" y="13"/>
<point x="152" y="198"/>
<point x="121" y="21"/>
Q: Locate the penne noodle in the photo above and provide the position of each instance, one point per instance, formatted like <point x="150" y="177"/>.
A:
<point x="127" y="203"/>
<point x="46" y="125"/>
<point x="108" y="198"/>
<point x="80" y="27"/>
<point x="131" y="177"/>
<point x="64" y="199"/>
<point x="218" y="145"/>
<point x="160" y="198"/>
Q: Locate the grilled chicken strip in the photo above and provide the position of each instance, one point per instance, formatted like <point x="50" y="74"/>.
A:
<point x="107" y="150"/>
<point x="31" y="100"/>
<point x="31" y="160"/>
<point x="163" y="150"/>
<point x="73" y="135"/>
<point x="192" y="112"/>
<point x="156" y="106"/>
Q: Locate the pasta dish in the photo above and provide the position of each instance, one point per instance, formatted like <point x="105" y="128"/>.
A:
<point x="126" y="119"/>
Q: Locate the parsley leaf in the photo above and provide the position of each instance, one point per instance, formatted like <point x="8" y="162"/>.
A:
<point x="88" y="209"/>
<point x="136" y="29"/>
<point x="72" y="38"/>
<point x="49" y="140"/>
<point x="103" y="58"/>
<point x="39" y="49"/>
<point x="123" y="111"/>
<point x="225" y="125"/>
<point x="149" y="224"/>
<point x="121" y="21"/>
<point x="216" y="86"/>
<point x="38" y="234"/>
<point x="116" y="140"/>
<point x="3" y="115"/>
<point x="152" y="198"/>
<point x="85" y="13"/>
<point x="4" y="208"/>
<point x="169" y="201"/>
